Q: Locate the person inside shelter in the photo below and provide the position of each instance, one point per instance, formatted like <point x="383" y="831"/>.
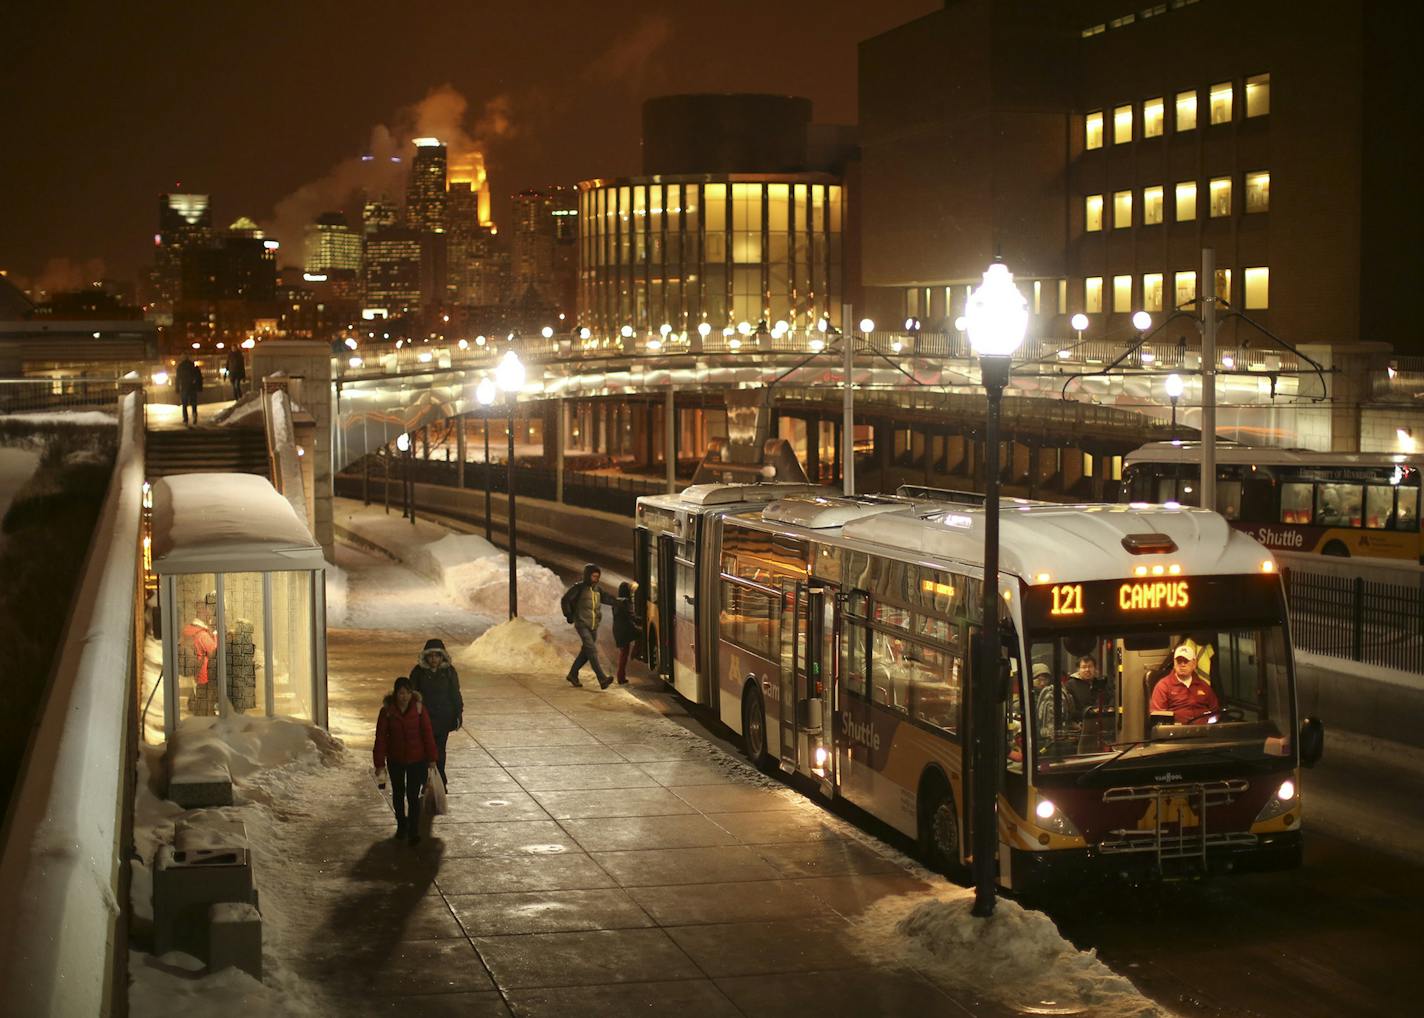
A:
<point x="1184" y="693"/>
<point x="197" y="645"/>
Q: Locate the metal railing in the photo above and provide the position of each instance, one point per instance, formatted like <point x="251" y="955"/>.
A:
<point x="1357" y="619"/>
<point x="39" y="395"/>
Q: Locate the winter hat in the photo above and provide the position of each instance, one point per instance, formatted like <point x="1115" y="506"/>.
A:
<point x="625" y="590"/>
<point x="433" y="645"/>
<point x="589" y="570"/>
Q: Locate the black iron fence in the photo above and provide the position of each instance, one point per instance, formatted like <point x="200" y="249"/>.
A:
<point x="1357" y="619"/>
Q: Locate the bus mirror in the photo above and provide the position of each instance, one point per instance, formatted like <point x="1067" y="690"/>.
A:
<point x="1312" y="741"/>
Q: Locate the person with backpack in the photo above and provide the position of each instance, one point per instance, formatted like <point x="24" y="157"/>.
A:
<point x="583" y="609"/>
<point x="626" y="627"/>
<point x="190" y="383"/>
<point x="236" y="371"/>
<point x="405" y="745"/>
<point x="438" y="684"/>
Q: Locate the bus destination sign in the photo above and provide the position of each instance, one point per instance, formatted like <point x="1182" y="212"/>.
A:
<point x="1146" y="598"/>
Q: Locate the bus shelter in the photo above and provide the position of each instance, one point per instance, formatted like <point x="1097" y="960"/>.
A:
<point x="242" y="599"/>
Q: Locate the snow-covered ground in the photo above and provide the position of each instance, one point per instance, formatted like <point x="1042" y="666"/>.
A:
<point x="17" y="466"/>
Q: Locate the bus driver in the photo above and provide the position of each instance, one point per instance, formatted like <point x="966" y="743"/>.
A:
<point x="1185" y="692"/>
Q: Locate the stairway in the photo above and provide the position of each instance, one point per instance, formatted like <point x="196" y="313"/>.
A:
<point x="207" y="450"/>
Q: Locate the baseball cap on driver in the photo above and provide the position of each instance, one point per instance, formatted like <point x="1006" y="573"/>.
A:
<point x="1185" y="651"/>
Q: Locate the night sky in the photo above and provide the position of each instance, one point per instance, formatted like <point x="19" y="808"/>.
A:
<point x="107" y="105"/>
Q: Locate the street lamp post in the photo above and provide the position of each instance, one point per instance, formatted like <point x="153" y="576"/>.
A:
<point x="407" y="503"/>
<point x="996" y="318"/>
<point x="1174" y="388"/>
<point x="510" y="377"/>
<point x="485" y="394"/>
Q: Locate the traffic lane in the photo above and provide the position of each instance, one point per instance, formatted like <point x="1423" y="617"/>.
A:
<point x="1368" y="792"/>
<point x="1338" y="936"/>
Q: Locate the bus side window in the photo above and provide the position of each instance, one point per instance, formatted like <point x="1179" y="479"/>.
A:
<point x="1406" y="516"/>
<point x="1379" y="506"/>
<point x="1228" y="499"/>
<point x="1296" y="502"/>
<point x="1338" y="504"/>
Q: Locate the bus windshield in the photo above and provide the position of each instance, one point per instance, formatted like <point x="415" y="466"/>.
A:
<point x="1095" y="693"/>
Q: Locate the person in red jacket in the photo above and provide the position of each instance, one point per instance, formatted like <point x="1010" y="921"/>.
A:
<point x="197" y="645"/>
<point x="405" y="744"/>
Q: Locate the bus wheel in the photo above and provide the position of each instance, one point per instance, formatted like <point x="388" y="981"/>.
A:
<point x="754" y="727"/>
<point x="1335" y="549"/>
<point x="938" y="828"/>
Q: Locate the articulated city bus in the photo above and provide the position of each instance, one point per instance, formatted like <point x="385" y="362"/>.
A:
<point x="1294" y="500"/>
<point x="842" y="652"/>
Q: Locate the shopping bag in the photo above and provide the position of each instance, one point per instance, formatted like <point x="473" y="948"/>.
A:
<point x="433" y="801"/>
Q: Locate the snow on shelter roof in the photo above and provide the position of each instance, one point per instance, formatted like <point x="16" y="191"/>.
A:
<point x="227" y="523"/>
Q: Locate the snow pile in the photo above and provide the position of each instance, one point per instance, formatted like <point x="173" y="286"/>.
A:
<point x="77" y="418"/>
<point x="483" y="586"/>
<point x="246" y="411"/>
<point x="335" y="595"/>
<point x="281" y="767"/>
<point x="1016" y="956"/>
<point x="514" y="646"/>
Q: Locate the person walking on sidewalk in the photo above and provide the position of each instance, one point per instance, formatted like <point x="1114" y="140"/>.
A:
<point x="236" y="371"/>
<point x="583" y="609"/>
<point x="190" y="383"/>
<point x="405" y="744"/>
<point x="626" y="627"/>
<point x="438" y="684"/>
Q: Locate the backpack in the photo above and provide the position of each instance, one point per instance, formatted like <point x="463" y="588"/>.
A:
<point x="569" y="602"/>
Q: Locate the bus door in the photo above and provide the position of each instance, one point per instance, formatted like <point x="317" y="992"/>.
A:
<point x="804" y="631"/>
<point x="686" y="676"/>
<point x="646" y="576"/>
<point x="666" y="599"/>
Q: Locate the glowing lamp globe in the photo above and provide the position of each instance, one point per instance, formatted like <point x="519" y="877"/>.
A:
<point x="704" y="330"/>
<point x="626" y="332"/>
<point x="996" y="314"/>
<point x="584" y="333"/>
<point x="403" y="443"/>
<point x="1142" y="321"/>
<point x="485" y="392"/>
<point x="867" y="326"/>
<point x="510" y="373"/>
<point x="547" y="332"/>
<point x="1174" y="386"/>
<point x="1079" y="321"/>
<point x="745" y="328"/>
<point x="664" y="329"/>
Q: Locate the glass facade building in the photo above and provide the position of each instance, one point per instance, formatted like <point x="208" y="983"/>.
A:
<point x="721" y="249"/>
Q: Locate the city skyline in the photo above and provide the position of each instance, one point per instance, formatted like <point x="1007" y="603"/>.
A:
<point x="251" y="116"/>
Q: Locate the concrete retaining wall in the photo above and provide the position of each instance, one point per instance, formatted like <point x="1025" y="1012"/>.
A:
<point x="1376" y="702"/>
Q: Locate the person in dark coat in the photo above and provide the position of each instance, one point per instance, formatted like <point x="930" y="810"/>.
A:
<point x="626" y="627"/>
<point x="236" y="371"/>
<point x="438" y="684"/>
<point x="405" y="745"/>
<point x="582" y="605"/>
<point x="190" y="383"/>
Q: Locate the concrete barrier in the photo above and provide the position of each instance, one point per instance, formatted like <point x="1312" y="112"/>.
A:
<point x="1377" y="702"/>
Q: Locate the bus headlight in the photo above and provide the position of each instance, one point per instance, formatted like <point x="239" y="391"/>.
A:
<point x="1285" y="799"/>
<point x="1053" y="819"/>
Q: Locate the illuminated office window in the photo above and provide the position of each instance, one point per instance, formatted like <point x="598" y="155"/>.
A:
<point x="1258" y="191"/>
<point x="1038" y="296"/>
<point x="1186" y="201"/>
<point x="746" y="223"/>
<point x="1258" y="95"/>
<point x="1122" y="124"/>
<point x="1093" y="294"/>
<point x="1122" y="209"/>
<point x="1186" y="288"/>
<point x="1062" y="296"/>
<point x="1152" y="117"/>
<point x="1186" y="110"/>
<point x="1152" y="291"/>
<point x="1258" y="288"/>
<point x="714" y="206"/>
<point x="1220" y="197"/>
<point x="1221" y="103"/>
<point x="1152" y="205"/>
<point x="1223" y="284"/>
<point x="1093" y="213"/>
<point x="1122" y="294"/>
<point x="1093" y="130"/>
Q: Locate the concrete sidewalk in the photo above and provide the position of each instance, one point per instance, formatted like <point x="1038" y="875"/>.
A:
<point x="598" y="859"/>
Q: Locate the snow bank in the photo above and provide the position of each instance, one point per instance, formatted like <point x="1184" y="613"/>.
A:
<point x="1016" y="956"/>
<point x="280" y="767"/>
<point x="483" y="586"/>
<point x="246" y="411"/>
<point x="518" y="645"/>
<point x="78" y="418"/>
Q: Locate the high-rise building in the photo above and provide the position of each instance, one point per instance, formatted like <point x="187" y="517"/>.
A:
<point x="185" y="221"/>
<point x="226" y="286"/>
<point x="378" y="214"/>
<point x="393" y="270"/>
<point x="425" y="189"/>
<point x="471" y="248"/>
<point x="546" y="245"/>
<point x="331" y="245"/>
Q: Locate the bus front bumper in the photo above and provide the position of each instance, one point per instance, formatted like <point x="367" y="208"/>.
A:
<point x="1043" y="872"/>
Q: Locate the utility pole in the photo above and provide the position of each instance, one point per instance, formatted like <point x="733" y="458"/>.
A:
<point x="848" y="402"/>
<point x="1208" y="375"/>
<point x="670" y="438"/>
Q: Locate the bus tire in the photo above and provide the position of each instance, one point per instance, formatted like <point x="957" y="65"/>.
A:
<point x="1335" y="549"/>
<point x="754" y="727"/>
<point x="937" y="831"/>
